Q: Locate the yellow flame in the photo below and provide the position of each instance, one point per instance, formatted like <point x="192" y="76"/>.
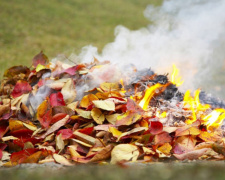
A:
<point x="175" y="79"/>
<point x="162" y="115"/>
<point x="148" y="96"/>
<point x="194" y="104"/>
<point x="214" y="119"/>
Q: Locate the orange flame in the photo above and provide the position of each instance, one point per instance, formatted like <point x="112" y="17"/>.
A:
<point x="175" y="79"/>
<point x="148" y="96"/>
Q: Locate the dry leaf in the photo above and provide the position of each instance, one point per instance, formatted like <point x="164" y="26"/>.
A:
<point x="195" y="154"/>
<point x="124" y="152"/>
<point x="87" y="100"/>
<point x="59" y="142"/>
<point x="135" y="130"/>
<point x="62" y="160"/>
<point x="69" y="91"/>
<point x="97" y="115"/>
<point x="56" y="126"/>
<point x="104" y="104"/>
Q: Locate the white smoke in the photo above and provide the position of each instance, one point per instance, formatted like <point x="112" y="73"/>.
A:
<point x="190" y="34"/>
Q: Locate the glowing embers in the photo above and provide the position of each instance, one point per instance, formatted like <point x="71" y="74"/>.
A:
<point x="175" y="79"/>
<point x="148" y="95"/>
<point x="214" y="119"/>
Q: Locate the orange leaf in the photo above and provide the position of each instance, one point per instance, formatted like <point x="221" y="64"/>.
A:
<point x="87" y="100"/>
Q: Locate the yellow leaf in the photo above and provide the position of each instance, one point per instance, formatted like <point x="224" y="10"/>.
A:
<point x="40" y="67"/>
<point x="69" y="92"/>
<point x="87" y="100"/>
<point x="15" y="125"/>
<point x="97" y="115"/>
<point x="127" y="118"/>
<point x="59" y="142"/>
<point x="105" y="105"/>
<point x="30" y="126"/>
<point x="62" y="160"/>
<point x="112" y="118"/>
<point x="108" y="87"/>
<point x="124" y="152"/>
<point x="33" y="158"/>
<point x="115" y="132"/>
<point x="165" y="149"/>
<point x="83" y="113"/>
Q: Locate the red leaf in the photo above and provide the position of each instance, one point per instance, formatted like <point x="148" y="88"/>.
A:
<point x="156" y="127"/>
<point x="3" y="128"/>
<point x="58" y="117"/>
<point x="21" y="87"/>
<point x="46" y="119"/>
<point x="56" y="99"/>
<point x="3" y="146"/>
<point x="19" y="157"/>
<point x="72" y="70"/>
<point x="41" y="58"/>
<point x="22" y="134"/>
<point x="134" y="107"/>
<point x="66" y="133"/>
<point x="87" y="131"/>
<point x="1" y="154"/>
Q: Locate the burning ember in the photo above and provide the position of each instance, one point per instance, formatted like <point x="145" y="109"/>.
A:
<point x="82" y="113"/>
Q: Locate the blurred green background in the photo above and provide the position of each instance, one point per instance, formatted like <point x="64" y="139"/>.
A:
<point x="56" y="26"/>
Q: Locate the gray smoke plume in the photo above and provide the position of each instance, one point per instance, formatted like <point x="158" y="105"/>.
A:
<point x="190" y="34"/>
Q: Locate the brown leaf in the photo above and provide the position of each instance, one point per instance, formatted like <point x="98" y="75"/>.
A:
<point x="16" y="70"/>
<point x="41" y="58"/>
<point x="103" y="154"/>
<point x="97" y="115"/>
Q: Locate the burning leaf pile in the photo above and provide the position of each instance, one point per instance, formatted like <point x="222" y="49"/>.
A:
<point x="73" y="114"/>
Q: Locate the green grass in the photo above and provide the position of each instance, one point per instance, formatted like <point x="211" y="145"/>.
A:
<point x="55" y="26"/>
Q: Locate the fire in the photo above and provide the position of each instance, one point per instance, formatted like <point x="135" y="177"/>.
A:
<point x="175" y="79"/>
<point x="162" y="115"/>
<point x="214" y="119"/>
<point x="148" y="96"/>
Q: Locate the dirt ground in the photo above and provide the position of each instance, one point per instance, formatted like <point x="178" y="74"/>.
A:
<point x="176" y="170"/>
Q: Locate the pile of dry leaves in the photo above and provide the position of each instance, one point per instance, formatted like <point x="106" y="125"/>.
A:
<point x="46" y="115"/>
